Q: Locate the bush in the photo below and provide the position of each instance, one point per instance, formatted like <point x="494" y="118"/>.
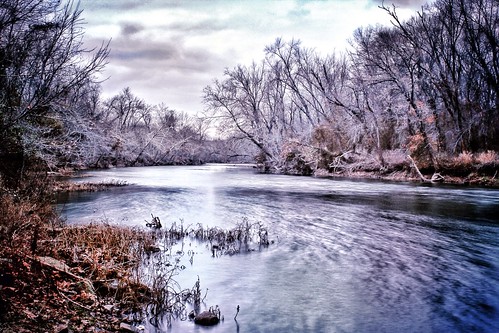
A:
<point x="464" y="160"/>
<point x="419" y="152"/>
<point x="487" y="157"/>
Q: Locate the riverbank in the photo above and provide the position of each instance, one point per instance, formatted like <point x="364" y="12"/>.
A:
<point x="471" y="179"/>
<point x="60" y="278"/>
<point x="56" y="277"/>
<point x="481" y="169"/>
<point x="464" y="169"/>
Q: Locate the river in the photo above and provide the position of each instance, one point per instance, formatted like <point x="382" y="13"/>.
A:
<point x="348" y="255"/>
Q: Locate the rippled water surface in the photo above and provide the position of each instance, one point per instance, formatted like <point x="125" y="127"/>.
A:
<point x="349" y="256"/>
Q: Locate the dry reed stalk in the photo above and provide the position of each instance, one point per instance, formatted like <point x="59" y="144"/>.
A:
<point x="69" y="186"/>
<point x="116" y="261"/>
<point x="107" y="249"/>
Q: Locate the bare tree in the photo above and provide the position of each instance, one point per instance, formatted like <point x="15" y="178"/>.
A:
<point x="279" y="102"/>
<point x="128" y="111"/>
<point x="427" y="84"/>
<point x="456" y="42"/>
<point x="42" y="60"/>
<point x="238" y="103"/>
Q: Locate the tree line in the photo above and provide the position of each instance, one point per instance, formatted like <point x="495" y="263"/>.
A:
<point x="427" y="86"/>
<point x="52" y="114"/>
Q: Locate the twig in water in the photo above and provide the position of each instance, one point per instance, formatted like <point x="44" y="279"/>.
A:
<point x="237" y="311"/>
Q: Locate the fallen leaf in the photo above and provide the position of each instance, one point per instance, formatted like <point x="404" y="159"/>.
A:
<point x="29" y="314"/>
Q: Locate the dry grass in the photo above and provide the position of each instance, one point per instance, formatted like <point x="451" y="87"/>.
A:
<point x="463" y="160"/>
<point x="24" y="220"/>
<point x="467" y="159"/>
<point x="487" y="157"/>
<point x="68" y="186"/>
<point x="105" y="250"/>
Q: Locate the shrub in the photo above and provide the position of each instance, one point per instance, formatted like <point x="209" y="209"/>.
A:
<point x="396" y="159"/>
<point x="419" y="152"/>
<point x="487" y="157"/>
<point x="464" y="160"/>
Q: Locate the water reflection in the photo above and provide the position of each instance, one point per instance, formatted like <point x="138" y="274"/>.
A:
<point x="350" y="256"/>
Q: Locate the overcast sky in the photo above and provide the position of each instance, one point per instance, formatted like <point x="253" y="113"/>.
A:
<point x="167" y="51"/>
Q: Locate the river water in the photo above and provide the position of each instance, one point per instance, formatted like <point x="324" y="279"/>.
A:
<point x="349" y="255"/>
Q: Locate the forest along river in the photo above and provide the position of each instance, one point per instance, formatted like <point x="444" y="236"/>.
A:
<point x="349" y="256"/>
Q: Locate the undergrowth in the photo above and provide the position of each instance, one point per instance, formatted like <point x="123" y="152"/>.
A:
<point x="57" y="277"/>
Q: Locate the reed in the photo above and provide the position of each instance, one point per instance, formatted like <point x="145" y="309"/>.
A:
<point x="167" y="300"/>
<point x="68" y="186"/>
<point x="137" y="268"/>
<point x="132" y="270"/>
<point x="243" y="237"/>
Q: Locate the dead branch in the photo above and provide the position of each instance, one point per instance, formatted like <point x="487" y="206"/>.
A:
<point x="413" y="163"/>
<point x="74" y="302"/>
<point x="63" y="268"/>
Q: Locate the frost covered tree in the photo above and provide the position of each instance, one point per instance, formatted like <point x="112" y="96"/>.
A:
<point x="42" y="62"/>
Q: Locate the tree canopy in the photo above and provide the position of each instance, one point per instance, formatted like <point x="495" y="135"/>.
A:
<point x="427" y="86"/>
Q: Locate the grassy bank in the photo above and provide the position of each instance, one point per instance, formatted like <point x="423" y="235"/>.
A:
<point x="55" y="278"/>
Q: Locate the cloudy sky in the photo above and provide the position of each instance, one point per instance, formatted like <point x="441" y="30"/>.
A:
<point x="167" y="51"/>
